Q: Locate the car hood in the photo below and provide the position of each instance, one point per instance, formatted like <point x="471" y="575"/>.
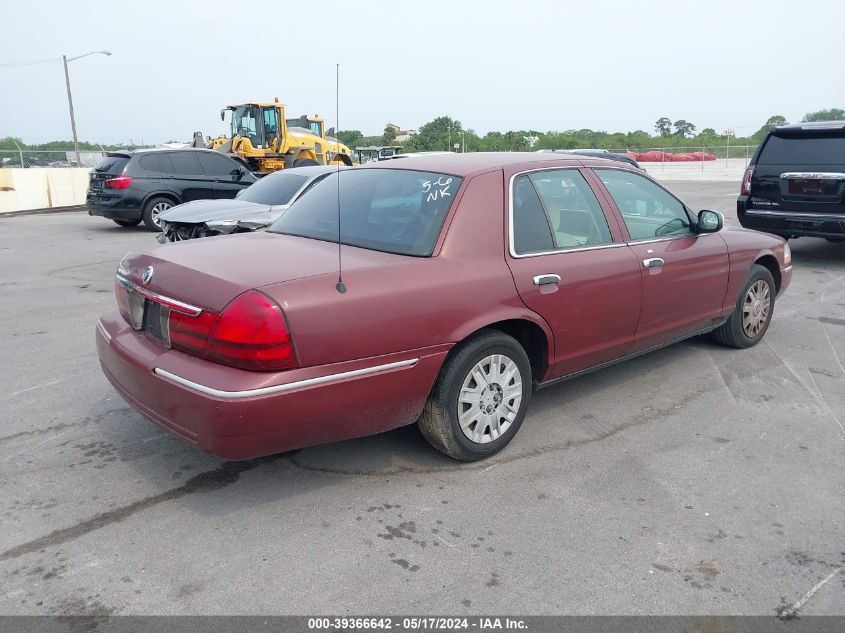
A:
<point x="200" y="211"/>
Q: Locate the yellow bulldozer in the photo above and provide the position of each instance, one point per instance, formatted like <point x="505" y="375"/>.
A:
<point x="267" y="141"/>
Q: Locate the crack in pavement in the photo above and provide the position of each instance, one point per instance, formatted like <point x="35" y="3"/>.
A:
<point x="47" y="429"/>
<point x="227" y="474"/>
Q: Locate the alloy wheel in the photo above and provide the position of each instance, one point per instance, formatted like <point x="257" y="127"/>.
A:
<point x="157" y="210"/>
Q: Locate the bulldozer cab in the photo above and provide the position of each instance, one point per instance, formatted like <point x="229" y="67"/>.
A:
<point x="313" y="124"/>
<point x="260" y="124"/>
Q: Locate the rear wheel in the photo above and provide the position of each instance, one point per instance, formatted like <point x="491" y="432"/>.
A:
<point x="153" y="209"/>
<point x="127" y="222"/>
<point x="753" y="313"/>
<point x="480" y="397"/>
<point x="305" y="162"/>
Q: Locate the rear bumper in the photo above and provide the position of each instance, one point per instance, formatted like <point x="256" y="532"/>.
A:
<point x="237" y="414"/>
<point x="115" y="211"/>
<point x="790" y="223"/>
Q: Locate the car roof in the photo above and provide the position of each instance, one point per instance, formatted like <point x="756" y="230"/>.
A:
<point x="473" y="163"/>
<point x="809" y="128"/>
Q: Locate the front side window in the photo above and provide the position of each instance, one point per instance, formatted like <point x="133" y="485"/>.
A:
<point x="393" y="210"/>
<point x="245" y="123"/>
<point x="649" y="211"/>
<point x="217" y="165"/>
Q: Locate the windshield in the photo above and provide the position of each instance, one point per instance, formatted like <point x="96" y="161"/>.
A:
<point x="275" y="188"/>
<point x="393" y="210"/>
<point x="245" y="123"/>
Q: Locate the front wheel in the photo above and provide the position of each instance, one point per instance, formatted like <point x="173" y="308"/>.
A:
<point x="153" y="209"/>
<point x="480" y="397"/>
<point x="753" y="312"/>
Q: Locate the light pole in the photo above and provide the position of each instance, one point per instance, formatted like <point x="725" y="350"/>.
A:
<point x="67" y="59"/>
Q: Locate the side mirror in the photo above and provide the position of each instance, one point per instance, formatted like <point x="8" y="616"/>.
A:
<point x="710" y="221"/>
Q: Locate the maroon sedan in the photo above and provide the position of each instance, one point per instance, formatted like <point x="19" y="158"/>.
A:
<point x="468" y="280"/>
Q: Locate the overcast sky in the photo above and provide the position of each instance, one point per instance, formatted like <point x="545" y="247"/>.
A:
<point x="541" y="64"/>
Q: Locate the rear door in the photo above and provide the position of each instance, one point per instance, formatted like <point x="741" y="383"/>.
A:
<point x="227" y="178"/>
<point x="800" y="171"/>
<point x="185" y="177"/>
<point x="684" y="273"/>
<point x="571" y="266"/>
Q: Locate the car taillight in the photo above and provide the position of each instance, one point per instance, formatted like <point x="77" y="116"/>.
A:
<point x="745" y="189"/>
<point x="120" y="182"/>
<point x="122" y="303"/>
<point x="250" y="333"/>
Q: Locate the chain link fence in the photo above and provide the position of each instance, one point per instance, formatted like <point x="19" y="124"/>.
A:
<point x="46" y="158"/>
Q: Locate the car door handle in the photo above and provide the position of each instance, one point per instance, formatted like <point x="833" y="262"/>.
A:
<point x="653" y="262"/>
<point x="548" y="278"/>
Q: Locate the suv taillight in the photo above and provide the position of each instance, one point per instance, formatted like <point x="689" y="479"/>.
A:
<point x="250" y="333"/>
<point x="120" y="182"/>
<point x="745" y="189"/>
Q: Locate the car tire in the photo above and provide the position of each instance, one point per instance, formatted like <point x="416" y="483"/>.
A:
<point x="305" y="162"/>
<point x="757" y="300"/>
<point x="127" y="222"/>
<point x="153" y="208"/>
<point x="501" y="400"/>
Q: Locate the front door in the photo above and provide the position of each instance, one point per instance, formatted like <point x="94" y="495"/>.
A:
<point x="227" y="177"/>
<point x="572" y="267"/>
<point x="685" y="273"/>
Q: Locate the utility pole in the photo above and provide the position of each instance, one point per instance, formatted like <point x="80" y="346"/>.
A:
<point x="65" y="60"/>
<point x="70" y="106"/>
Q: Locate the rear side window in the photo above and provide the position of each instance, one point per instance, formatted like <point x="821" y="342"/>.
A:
<point x="531" y="230"/>
<point x="812" y="150"/>
<point x="574" y="213"/>
<point x="111" y="164"/>
<point x="151" y="163"/>
<point x="181" y="163"/>
<point x="216" y="165"/>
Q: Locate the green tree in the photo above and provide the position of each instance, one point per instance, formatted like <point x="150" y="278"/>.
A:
<point x="437" y="135"/>
<point x="834" y="114"/>
<point x="663" y="126"/>
<point x="350" y="138"/>
<point x="8" y="142"/>
<point x="708" y="132"/>
<point x="389" y="135"/>
<point x="684" y="128"/>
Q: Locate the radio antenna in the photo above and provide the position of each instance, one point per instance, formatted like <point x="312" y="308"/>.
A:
<point x="341" y="287"/>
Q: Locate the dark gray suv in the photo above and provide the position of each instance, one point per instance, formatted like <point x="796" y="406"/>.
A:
<point x="129" y="187"/>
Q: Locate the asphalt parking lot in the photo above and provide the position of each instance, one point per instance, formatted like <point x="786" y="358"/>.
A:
<point x="695" y="480"/>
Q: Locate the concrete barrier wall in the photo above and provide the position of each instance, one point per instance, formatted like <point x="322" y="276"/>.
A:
<point x="41" y="188"/>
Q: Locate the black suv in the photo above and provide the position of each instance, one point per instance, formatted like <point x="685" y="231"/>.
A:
<point x="128" y="187"/>
<point x="795" y="184"/>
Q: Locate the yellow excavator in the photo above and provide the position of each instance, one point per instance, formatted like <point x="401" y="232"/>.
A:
<point x="267" y="141"/>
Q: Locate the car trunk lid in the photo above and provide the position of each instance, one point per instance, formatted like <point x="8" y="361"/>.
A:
<point x="209" y="273"/>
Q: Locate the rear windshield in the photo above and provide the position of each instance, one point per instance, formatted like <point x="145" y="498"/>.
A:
<point x="815" y="150"/>
<point x="275" y="188"/>
<point x="112" y="164"/>
<point x="393" y="210"/>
